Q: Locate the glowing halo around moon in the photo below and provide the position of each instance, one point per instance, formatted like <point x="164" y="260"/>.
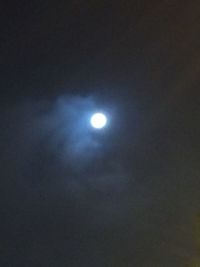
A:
<point x="98" y="120"/>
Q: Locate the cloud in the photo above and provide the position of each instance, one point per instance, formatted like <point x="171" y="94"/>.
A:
<point x="63" y="182"/>
<point x="51" y="145"/>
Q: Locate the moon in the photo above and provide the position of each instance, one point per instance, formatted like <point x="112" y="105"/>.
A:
<point x="98" y="120"/>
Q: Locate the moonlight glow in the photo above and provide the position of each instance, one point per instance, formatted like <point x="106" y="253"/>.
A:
<point x="98" y="120"/>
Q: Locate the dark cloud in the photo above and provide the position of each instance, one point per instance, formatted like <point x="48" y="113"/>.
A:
<point x="72" y="195"/>
<point x="57" y="175"/>
<point x="48" y="144"/>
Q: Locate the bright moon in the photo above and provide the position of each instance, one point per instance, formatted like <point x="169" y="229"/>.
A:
<point x="98" y="120"/>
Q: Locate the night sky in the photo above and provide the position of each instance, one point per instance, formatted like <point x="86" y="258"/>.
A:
<point x="124" y="196"/>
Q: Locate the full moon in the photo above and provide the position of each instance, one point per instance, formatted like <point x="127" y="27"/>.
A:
<point x="98" y="120"/>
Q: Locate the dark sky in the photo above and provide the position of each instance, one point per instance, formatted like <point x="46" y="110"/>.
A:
<point x="128" y="195"/>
